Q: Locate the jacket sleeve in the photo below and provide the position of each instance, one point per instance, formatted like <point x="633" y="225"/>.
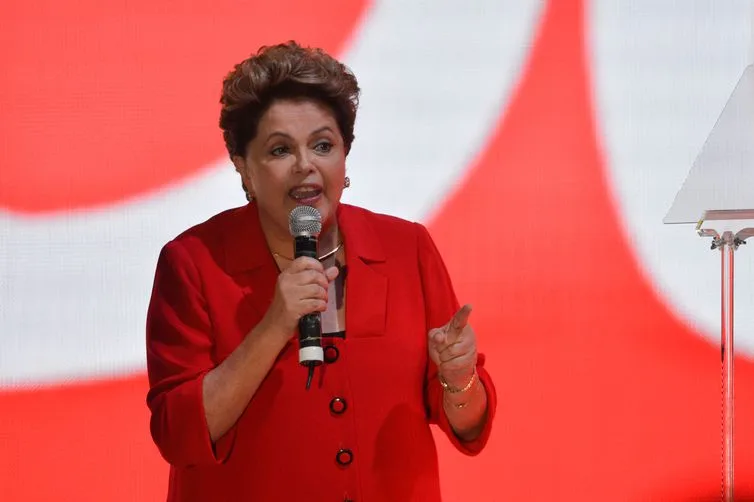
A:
<point x="440" y="306"/>
<point x="179" y="346"/>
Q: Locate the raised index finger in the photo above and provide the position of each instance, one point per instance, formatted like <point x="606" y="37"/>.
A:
<point x="459" y="320"/>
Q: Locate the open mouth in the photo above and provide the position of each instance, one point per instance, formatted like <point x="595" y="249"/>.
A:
<point x="305" y="193"/>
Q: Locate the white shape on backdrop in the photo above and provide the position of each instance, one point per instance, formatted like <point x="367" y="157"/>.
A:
<point x="435" y="76"/>
<point x="663" y="72"/>
<point x="77" y="285"/>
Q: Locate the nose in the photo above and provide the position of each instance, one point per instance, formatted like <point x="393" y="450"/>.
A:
<point x="304" y="162"/>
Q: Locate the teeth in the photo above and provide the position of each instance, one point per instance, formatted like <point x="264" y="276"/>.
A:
<point x="304" y="193"/>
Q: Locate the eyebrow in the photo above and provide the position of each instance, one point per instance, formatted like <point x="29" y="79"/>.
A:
<point x="288" y="136"/>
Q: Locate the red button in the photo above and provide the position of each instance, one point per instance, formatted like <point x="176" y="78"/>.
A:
<point x="331" y="354"/>
<point x="344" y="456"/>
<point x="338" y="405"/>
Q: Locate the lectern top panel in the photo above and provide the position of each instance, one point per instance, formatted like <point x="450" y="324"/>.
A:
<point x="722" y="176"/>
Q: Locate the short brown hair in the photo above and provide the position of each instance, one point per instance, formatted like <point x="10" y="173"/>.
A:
<point x="285" y="71"/>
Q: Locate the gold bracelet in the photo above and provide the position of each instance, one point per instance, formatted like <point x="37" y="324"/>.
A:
<point x="465" y="388"/>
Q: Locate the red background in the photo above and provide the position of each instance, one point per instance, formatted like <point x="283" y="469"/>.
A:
<point x="604" y="393"/>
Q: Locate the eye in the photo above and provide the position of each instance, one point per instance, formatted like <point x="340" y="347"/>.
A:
<point x="279" y="151"/>
<point x="323" y="147"/>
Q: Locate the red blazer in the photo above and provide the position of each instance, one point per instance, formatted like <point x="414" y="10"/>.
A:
<point x="362" y="431"/>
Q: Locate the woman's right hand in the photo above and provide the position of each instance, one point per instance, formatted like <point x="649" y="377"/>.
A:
<point x="301" y="289"/>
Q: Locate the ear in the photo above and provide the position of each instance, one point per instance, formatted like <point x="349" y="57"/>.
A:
<point x="242" y="168"/>
<point x="240" y="164"/>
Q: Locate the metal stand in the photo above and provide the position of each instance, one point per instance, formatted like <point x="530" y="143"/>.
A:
<point x="727" y="242"/>
<point x="727" y="245"/>
<point x="718" y="188"/>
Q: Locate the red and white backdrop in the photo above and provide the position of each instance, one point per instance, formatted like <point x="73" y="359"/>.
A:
<point x="541" y="142"/>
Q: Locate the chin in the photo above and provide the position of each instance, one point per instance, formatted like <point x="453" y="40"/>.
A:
<point x="326" y="214"/>
<point x="327" y="210"/>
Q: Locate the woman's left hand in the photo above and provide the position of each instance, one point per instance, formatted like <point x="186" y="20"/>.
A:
<point x="453" y="349"/>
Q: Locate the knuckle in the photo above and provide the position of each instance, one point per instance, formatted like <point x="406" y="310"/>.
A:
<point x="313" y="264"/>
<point x="297" y="264"/>
<point x="308" y="276"/>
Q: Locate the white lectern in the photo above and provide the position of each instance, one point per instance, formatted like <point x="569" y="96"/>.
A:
<point x="718" y="197"/>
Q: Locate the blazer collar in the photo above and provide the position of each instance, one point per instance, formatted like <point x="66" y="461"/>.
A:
<point x="358" y="234"/>
<point x="243" y="241"/>
<point x="246" y="248"/>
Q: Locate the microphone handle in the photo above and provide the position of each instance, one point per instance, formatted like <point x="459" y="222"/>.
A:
<point x="310" y="325"/>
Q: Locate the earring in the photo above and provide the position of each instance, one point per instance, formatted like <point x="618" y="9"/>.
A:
<point x="346" y="182"/>
<point x="249" y="197"/>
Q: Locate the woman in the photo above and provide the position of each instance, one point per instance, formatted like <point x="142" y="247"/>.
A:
<point x="230" y="409"/>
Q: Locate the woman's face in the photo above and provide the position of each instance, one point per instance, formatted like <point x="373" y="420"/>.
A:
<point x="296" y="158"/>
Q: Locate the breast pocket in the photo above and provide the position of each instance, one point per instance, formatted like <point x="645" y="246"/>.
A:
<point x="366" y="301"/>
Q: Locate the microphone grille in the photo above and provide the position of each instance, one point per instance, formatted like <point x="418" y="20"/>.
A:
<point x="304" y="220"/>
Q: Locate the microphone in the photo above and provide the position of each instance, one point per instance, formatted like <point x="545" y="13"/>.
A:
<point x="305" y="224"/>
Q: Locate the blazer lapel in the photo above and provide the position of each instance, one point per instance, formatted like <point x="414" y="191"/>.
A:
<point x="250" y="263"/>
<point x="366" y="284"/>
